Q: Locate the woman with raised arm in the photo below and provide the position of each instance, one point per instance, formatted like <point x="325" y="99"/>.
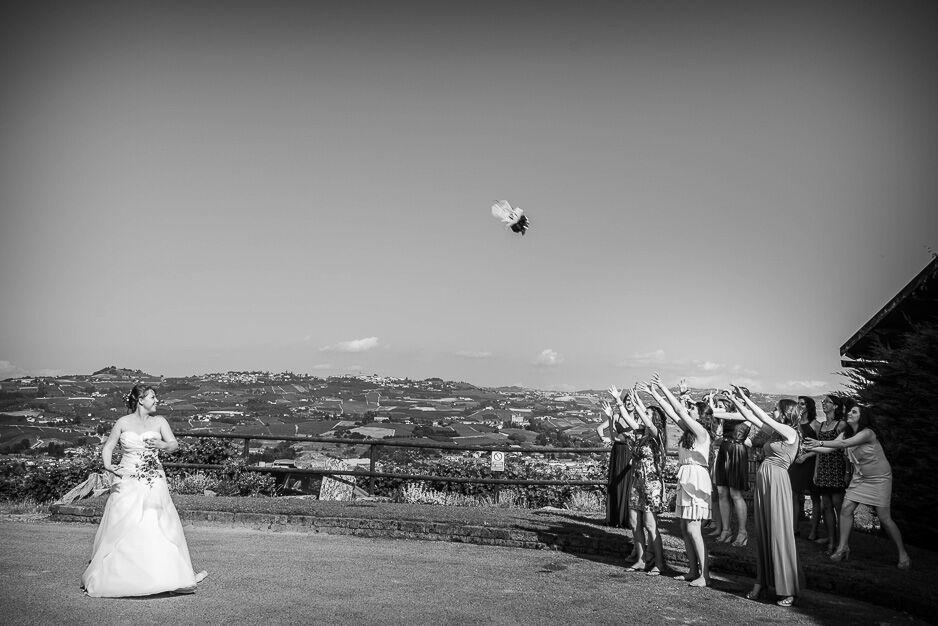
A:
<point x="627" y="424"/>
<point x="646" y="496"/>
<point x="139" y="549"/>
<point x="694" y="488"/>
<point x="872" y="479"/>
<point x="830" y="470"/>
<point x="731" y="469"/>
<point x="801" y="472"/>
<point x="617" y="431"/>
<point x="776" y="555"/>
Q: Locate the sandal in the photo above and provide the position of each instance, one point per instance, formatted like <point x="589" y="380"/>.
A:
<point x="787" y="601"/>
<point x="755" y="594"/>
<point x="741" y="540"/>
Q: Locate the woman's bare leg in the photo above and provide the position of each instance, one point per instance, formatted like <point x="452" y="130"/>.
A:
<point x="700" y="553"/>
<point x="885" y="518"/>
<point x="742" y="514"/>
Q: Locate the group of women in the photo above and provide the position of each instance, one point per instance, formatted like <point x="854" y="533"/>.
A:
<point x="140" y="548"/>
<point x="800" y="453"/>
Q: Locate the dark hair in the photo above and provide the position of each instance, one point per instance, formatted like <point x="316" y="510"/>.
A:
<point x="866" y="418"/>
<point x="838" y="402"/>
<point x="746" y="391"/>
<point x="139" y="391"/>
<point x="704" y="418"/>
<point x="811" y="406"/>
<point x="658" y="419"/>
<point x="788" y="411"/>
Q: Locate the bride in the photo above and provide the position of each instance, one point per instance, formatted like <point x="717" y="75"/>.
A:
<point x="139" y="549"/>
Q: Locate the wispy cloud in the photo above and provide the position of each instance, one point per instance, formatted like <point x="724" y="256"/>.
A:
<point x="644" y="359"/>
<point x="8" y="369"/>
<point x="48" y="373"/>
<point x="468" y="354"/>
<point x="548" y="358"/>
<point x="691" y="368"/>
<point x="803" y="385"/>
<point x="354" y="345"/>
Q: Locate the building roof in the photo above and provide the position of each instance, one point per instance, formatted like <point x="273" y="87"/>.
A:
<point x="915" y="303"/>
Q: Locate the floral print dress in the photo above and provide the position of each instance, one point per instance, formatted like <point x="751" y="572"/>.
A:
<point x="646" y="493"/>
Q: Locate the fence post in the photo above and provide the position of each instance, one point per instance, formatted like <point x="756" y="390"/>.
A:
<point x="247" y="449"/>
<point x="371" y="479"/>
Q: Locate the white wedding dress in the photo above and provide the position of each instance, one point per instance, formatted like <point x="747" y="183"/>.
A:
<point x="139" y="549"/>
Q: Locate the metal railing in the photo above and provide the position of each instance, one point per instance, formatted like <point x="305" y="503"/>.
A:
<point x="374" y="444"/>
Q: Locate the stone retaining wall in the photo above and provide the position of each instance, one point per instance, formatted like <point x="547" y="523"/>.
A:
<point x="396" y="529"/>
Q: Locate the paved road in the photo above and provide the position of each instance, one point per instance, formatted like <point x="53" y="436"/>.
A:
<point x="263" y="577"/>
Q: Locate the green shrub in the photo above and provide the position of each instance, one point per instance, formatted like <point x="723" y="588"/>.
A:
<point x="516" y="467"/>
<point x="44" y="480"/>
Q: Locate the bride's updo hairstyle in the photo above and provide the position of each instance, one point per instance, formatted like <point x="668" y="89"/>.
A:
<point x="135" y="394"/>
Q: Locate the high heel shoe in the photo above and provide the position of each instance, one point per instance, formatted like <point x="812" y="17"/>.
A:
<point x="840" y="555"/>
<point x="741" y="540"/>
<point x="755" y="594"/>
<point x="905" y="563"/>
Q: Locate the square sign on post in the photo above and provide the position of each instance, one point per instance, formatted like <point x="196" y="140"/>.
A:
<point x="498" y="461"/>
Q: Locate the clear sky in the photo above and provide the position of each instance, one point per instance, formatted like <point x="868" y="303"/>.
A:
<point x="720" y="192"/>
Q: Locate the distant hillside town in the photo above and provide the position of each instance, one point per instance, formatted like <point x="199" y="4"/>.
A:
<point x="62" y="415"/>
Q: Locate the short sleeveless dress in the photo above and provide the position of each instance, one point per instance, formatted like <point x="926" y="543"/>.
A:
<point x="773" y="513"/>
<point x="646" y="491"/>
<point x="830" y="470"/>
<point x="732" y="463"/>
<point x="872" y="475"/>
<point x="694" y="486"/>
<point x="802" y="474"/>
<point x="618" y="482"/>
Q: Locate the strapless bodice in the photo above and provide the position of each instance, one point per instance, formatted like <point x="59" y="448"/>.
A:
<point x="134" y="446"/>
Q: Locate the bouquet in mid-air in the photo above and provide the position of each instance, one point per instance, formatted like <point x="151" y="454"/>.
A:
<point x="513" y="218"/>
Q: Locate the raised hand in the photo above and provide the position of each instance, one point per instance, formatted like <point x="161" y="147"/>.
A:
<point x="607" y="408"/>
<point x="682" y="386"/>
<point x="643" y="386"/>
<point x="656" y="379"/>
<point x="616" y="392"/>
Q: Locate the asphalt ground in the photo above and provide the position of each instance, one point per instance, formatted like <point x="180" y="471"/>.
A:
<point x="261" y="577"/>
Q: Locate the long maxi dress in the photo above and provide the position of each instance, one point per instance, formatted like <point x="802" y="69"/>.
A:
<point x="773" y="513"/>
<point x="139" y="548"/>
<point x="619" y="481"/>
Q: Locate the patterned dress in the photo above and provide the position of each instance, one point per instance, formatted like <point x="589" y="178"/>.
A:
<point x="830" y="471"/>
<point x="646" y="493"/>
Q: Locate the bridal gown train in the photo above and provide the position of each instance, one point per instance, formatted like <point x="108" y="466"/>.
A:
<point x="139" y="549"/>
